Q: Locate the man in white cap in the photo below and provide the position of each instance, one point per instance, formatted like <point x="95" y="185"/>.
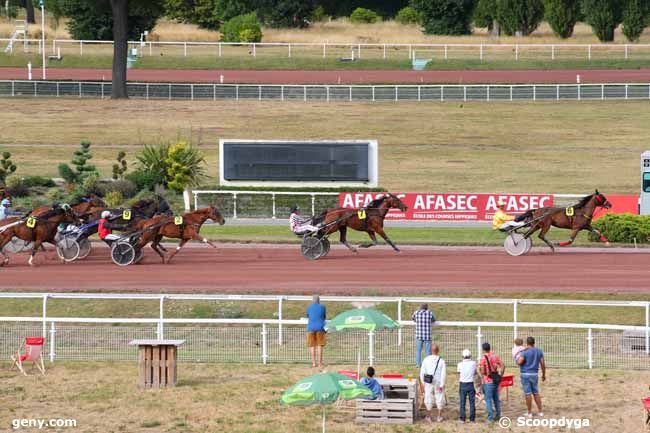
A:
<point x="501" y="220"/>
<point x="466" y="373"/>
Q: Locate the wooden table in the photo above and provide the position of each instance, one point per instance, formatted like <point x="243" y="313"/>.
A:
<point x="400" y="404"/>
<point x="157" y="362"/>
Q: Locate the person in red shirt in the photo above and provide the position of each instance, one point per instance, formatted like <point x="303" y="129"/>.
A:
<point x="490" y="364"/>
<point x="104" y="230"/>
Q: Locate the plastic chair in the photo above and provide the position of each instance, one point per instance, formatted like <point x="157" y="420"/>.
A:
<point x="392" y="376"/>
<point x="349" y="373"/>
<point x="646" y="413"/>
<point x="506" y="382"/>
<point x="33" y="352"/>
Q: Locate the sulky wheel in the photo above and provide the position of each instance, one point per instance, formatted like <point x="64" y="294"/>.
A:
<point x="529" y="245"/>
<point x="311" y="248"/>
<point x="326" y="247"/>
<point x="67" y="249"/>
<point x="84" y="248"/>
<point x="515" y="244"/>
<point x="123" y="253"/>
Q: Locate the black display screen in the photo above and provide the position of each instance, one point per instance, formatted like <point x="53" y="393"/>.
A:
<point x="296" y="161"/>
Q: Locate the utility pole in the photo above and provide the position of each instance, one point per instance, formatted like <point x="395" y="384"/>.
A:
<point x="42" y="4"/>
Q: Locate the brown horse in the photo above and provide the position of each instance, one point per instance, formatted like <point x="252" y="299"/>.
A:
<point x="187" y="229"/>
<point x="44" y="229"/>
<point x="575" y="218"/>
<point x="369" y="219"/>
<point x="82" y="207"/>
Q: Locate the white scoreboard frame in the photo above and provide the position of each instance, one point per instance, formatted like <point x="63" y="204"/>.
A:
<point x="373" y="165"/>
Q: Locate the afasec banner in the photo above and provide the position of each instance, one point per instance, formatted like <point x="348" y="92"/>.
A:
<point x="450" y="207"/>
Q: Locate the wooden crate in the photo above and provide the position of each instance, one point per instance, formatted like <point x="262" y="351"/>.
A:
<point x="390" y="411"/>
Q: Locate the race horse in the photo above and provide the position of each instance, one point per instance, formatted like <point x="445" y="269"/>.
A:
<point x="575" y="218"/>
<point x="82" y="207"/>
<point x="36" y="229"/>
<point x="369" y="219"/>
<point x="185" y="228"/>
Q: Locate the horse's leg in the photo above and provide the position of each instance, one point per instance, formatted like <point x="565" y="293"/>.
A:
<point x="155" y="245"/>
<point x="599" y="234"/>
<point x="343" y="230"/>
<point x="572" y="238"/>
<point x="382" y="233"/>
<point x="542" y="236"/>
<point x="373" y="238"/>
<point x="4" y="240"/>
<point x="179" y="247"/>
<point x="37" y="245"/>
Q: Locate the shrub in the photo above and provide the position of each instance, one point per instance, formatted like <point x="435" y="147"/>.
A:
<point x="91" y="185"/>
<point x="242" y="26"/>
<point x="603" y="16"/>
<point x="174" y="166"/>
<point x="120" y="168"/>
<point x="113" y="199"/>
<point x="32" y="181"/>
<point x="445" y="17"/>
<point x="562" y="16"/>
<point x="55" y="195"/>
<point x="67" y="173"/>
<point x="144" y="180"/>
<point x="125" y="187"/>
<point x="7" y="166"/>
<point x="319" y="14"/>
<point x="12" y="12"/>
<point x="520" y="16"/>
<point x="407" y="15"/>
<point x="635" y="17"/>
<point x="363" y="15"/>
<point x="624" y="228"/>
<point x="15" y="187"/>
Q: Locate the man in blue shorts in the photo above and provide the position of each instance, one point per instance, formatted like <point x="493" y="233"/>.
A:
<point x="530" y="360"/>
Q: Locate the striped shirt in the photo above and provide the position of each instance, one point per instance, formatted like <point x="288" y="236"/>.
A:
<point x="423" y="320"/>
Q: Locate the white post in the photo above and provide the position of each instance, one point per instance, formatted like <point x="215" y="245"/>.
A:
<point x="589" y="51"/>
<point x="602" y="92"/>
<point x="254" y="49"/>
<point x="264" y="344"/>
<point x="273" y="201"/>
<point x="481" y="55"/>
<point x="324" y="50"/>
<point x="359" y="51"/>
<point x="196" y="201"/>
<point x="184" y="49"/>
<point x="514" y="316"/>
<point x="419" y="93"/>
<point x="371" y="348"/>
<point x="446" y="49"/>
<point x="161" y="331"/>
<point x="81" y="48"/>
<point x="517" y="52"/>
<point x="323" y="418"/>
<point x="590" y="349"/>
<point x="410" y="52"/>
<point x="43" y="33"/>
<point x="29" y="71"/>
<point x="150" y="50"/>
<point x="626" y="87"/>
<point x="289" y="50"/>
<point x="647" y="328"/>
<point x="52" y="345"/>
<point x="313" y="204"/>
<point x="280" y="320"/>
<point x="552" y="52"/>
<point x="384" y="51"/>
<point x="234" y="205"/>
<point x="626" y="49"/>
<point x="478" y="341"/>
<point x="219" y="49"/>
<point x="399" y="319"/>
<point x="44" y="315"/>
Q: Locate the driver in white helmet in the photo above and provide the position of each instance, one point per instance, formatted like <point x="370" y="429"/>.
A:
<point x="300" y="225"/>
<point x="5" y="204"/>
<point x="104" y="228"/>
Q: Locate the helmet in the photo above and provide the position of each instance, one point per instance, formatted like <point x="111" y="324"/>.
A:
<point x="106" y="214"/>
<point x="5" y="202"/>
<point x="294" y="209"/>
<point x="501" y="202"/>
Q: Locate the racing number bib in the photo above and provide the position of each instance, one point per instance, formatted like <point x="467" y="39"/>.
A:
<point x="126" y="215"/>
<point x="31" y="222"/>
<point x="361" y="214"/>
<point x="569" y="211"/>
<point x="178" y="220"/>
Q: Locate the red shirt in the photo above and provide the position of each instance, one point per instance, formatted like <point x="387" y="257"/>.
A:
<point x="101" y="230"/>
<point x="495" y="363"/>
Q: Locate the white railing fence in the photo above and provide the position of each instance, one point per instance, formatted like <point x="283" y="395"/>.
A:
<point x="332" y="93"/>
<point x="375" y="51"/>
<point x="568" y="345"/>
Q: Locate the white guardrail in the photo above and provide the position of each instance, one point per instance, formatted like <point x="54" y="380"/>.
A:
<point x="162" y="323"/>
<point x="359" y="50"/>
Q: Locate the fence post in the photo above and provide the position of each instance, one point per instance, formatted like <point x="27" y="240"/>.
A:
<point x="13" y="88"/>
<point x="384" y="51"/>
<point x="515" y="317"/>
<point x="399" y="319"/>
<point x="590" y="359"/>
<point x="481" y="53"/>
<point x="534" y="92"/>
<point x="647" y="328"/>
<point x="81" y="48"/>
<point x="280" y="320"/>
<point x="371" y="348"/>
<point x="350" y="97"/>
<point x="626" y="87"/>
<point x="557" y="92"/>
<point x="419" y="93"/>
<point x="552" y="52"/>
<point x="579" y="91"/>
<point x="324" y="45"/>
<point x="52" y="345"/>
<point x="170" y="91"/>
<point x="479" y="337"/>
<point x="313" y="204"/>
<point x="196" y="201"/>
<point x="259" y="93"/>
<point x="626" y="56"/>
<point x="57" y="90"/>
<point x="602" y="92"/>
<point x="150" y="50"/>
<point x="410" y="52"/>
<point x="80" y="89"/>
<point x="289" y="50"/>
<point x="446" y="49"/>
<point x="44" y="315"/>
<point x="589" y="51"/>
<point x="219" y="49"/>
<point x="511" y="92"/>
<point x="327" y="88"/>
<point x="265" y="355"/>
<point x="161" y="317"/>
<point x="304" y="93"/>
<point x="237" y="92"/>
<point x="442" y="93"/>
<point x="147" y="90"/>
<point x="234" y="205"/>
<point x="273" y="200"/>
<point x="397" y="92"/>
<point x="464" y="93"/>
<point x="184" y="49"/>
<point x="192" y="92"/>
<point x="373" y="93"/>
<point x="488" y="93"/>
<point x="516" y="51"/>
<point x="254" y="49"/>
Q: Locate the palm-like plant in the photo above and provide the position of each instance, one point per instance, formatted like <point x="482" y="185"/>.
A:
<point x="175" y="166"/>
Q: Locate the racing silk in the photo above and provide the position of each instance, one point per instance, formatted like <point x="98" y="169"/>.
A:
<point x="499" y="218"/>
<point x="102" y="230"/>
<point x="3" y="212"/>
<point x="294" y="222"/>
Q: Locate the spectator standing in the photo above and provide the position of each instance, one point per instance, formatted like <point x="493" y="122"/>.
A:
<point x="492" y="369"/>
<point x="423" y="319"/>
<point x="530" y="360"/>
<point x="433" y="375"/>
<point x="316" y="314"/>
<point x="373" y="385"/>
<point x="467" y="371"/>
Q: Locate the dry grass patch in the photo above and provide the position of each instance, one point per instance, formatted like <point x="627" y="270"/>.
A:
<point x="102" y="397"/>
<point x="540" y="147"/>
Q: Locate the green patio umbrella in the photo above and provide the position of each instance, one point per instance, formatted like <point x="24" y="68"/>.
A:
<point x="362" y="318"/>
<point x="324" y="388"/>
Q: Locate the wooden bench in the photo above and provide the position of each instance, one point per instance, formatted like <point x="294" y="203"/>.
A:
<point x="400" y="404"/>
<point x="157" y="362"/>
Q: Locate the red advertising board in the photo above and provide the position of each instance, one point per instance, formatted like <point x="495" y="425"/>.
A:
<point x="620" y="204"/>
<point x="450" y="207"/>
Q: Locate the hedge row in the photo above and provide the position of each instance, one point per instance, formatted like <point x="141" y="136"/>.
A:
<point x="624" y="228"/>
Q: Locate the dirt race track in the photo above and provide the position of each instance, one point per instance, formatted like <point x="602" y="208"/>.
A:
<point x="281" y="269"/>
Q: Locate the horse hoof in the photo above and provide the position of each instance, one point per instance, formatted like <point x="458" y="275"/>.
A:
<point x="607" y="244"/>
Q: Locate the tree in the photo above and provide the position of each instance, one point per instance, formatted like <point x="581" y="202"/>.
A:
<point x="29" y="12"/>
<point x="120" y="168"/>
<point x="445" y="17"/>
<point x="174" y="166"/>
<point x="80" y="162"/>
<point x="603" y="16"/>
<point x="522" y="16"/>
<point x="7" y="167"/>
<point x="289" y="13"/>
<point x="486" y="15"/>
<point x="242" y="28"/>
<point x="635" y="18"/>
<point x="562" y="16"/>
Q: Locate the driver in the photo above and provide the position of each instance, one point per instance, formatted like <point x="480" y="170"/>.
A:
<point x="104" y="229"/>
<point x="501" y="220"/>
<point x="300" y="225"/>
<point x="5" y="204"/>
